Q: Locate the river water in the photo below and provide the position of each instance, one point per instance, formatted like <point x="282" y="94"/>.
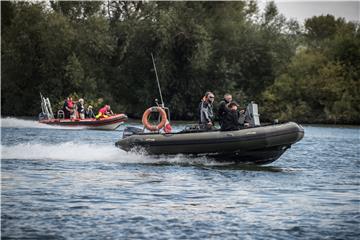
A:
<point x="75" y="184"/>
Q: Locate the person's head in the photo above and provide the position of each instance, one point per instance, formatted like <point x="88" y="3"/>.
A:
<point x="108" y="107"/>
<point x="228" y="97"/>
<point x="81" y="101"/>
<point x="90" y="107"/>
<point x="233" y="106"/>
<point x="209" y="97"/>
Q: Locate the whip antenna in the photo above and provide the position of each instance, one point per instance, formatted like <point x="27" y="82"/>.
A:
<point x="157" y="79"/>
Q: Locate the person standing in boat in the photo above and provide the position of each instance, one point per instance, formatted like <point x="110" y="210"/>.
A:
<point x="81" y="108"/>
<point x="223" y="108"/>
<point x="206" y="111"/>
<point x="68" y="107"/>
<point x="104" y="112"/>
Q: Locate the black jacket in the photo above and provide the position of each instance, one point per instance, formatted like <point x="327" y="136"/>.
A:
<point x="65" y="109"/>
<point x="80" y="108"/>
<point x="230" y="120"/>
<point x="222" y="110"/>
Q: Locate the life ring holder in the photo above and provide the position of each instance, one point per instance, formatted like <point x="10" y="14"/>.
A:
<point x="145" y="118"/>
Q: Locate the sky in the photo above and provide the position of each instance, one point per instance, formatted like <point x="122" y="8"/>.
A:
<point x="300" y="10"/>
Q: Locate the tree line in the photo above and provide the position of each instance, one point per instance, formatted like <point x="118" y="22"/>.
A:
<point x="101" y="51"/>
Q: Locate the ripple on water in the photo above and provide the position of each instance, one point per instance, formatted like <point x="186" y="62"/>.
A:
<point x="75" y="184"/>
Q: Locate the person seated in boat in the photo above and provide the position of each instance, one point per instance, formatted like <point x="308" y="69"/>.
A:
<point x="68" y="107"/>
<point x="222" y="106"/>
<point x="231" y="117"/>
<point x="206" y="119"/>
<point x="81" y="108"/>
<point x="104" y="112"/>
<point x="89" y="112"/>
<point x="73" y="114"/>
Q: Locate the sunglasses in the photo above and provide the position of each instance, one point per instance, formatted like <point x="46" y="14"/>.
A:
<point x="211" y="97"/>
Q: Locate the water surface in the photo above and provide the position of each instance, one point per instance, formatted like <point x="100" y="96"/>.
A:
<point x="74" y="184"/>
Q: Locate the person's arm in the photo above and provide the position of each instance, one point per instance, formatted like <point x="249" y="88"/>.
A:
<point x="206" y="115"/>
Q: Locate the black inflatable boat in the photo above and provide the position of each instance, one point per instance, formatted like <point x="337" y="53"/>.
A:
<point x="259" y="145"/>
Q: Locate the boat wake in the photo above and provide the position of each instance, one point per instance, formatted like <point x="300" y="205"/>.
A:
<point x="11" y="122"/>
<point x="73" y="151"/>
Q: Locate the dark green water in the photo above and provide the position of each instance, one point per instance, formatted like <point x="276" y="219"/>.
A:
<point x="74" y="184"/>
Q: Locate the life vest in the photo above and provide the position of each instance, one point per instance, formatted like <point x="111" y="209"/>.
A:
<point x="70" y="104"/>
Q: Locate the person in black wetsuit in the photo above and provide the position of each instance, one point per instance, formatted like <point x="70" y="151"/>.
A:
<point x="222" y="107"/>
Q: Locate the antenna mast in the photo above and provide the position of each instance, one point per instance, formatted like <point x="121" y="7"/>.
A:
<point x="157" y="79"/>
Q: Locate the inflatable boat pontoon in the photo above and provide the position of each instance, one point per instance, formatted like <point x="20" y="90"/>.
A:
<point x="260" y="145"/>
<point x="108" y="123"/>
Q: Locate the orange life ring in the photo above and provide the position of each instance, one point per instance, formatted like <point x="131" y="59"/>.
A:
<point x="145" y="119"/>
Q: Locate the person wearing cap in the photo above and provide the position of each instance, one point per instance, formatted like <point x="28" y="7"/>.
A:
<point x="89" y="112"/>
<point x="222" y="106"/>
<point x="206" y="113"/>
<point x="230" y="121"/>
<point x="104" y="112"/>
<point x="81" y="108"/>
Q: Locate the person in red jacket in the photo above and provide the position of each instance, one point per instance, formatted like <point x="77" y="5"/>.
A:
<point x="104" y="112"/>
<point x="68" y="108"/>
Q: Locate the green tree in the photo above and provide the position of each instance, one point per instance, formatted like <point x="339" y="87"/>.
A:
<point x="102" y="50"/>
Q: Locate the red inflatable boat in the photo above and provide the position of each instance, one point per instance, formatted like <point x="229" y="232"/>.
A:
<point x="109" y="123"/>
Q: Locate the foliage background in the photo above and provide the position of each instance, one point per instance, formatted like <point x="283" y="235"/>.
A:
<point x="101" y="51"/>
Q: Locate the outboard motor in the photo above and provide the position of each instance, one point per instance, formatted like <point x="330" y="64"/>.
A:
<point x="128" y="131"/>
<point x="252" y="114"/>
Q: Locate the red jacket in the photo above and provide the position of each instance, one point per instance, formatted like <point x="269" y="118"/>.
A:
<point x="103" y="110"/>
<point x="70" y="104"/>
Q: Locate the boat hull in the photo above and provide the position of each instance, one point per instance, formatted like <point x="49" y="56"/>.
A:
<point x="110" y="123"/>
<point x="257" y="145"/>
